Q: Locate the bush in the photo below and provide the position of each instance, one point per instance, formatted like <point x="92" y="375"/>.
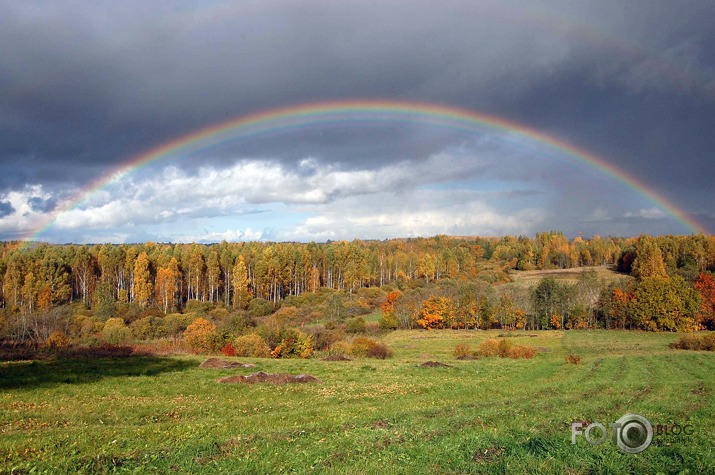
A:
<point x="251" y="345"/>
<point x="57" y="341"/>
<point x="364" y="347"/>
<point x="325" y="338"/>
<point x="505" y="349"/>
<point x="522" y="351"/>
<point x="295" y="344"/>
<point x="355" y="325"/>
<point x="237" y="323"/>
<point x="462" y="351"/>
<point x="695" y="342"/>
<point x="116" y="332"/>
<point x="148" y="328"/>
<point x="228" y="350"/>
<point x="175" y="323"/>
<point x="198" y="307"/>
<point x="488" y="347"/>
<point x="573" y="359"/>
<point x="201" y="336"/>
<point x="260" y="307"/>
<point x="339" y="348"/>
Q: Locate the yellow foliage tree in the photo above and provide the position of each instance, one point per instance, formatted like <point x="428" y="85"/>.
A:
<point x="142" y="280"/>
<point x="241" y="293"/>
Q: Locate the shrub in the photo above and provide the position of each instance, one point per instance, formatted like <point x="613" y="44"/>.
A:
<point x="380" y="351"/>
<point x="388" y="321"/>
<point x="198" y="307"/>
<point x="57" y="341"/>
<point x="489" y="347"/>
<point x="272" y="332"/>
<point x="175" y="323"/>
<point x="462" y="351"/>
<point x="295" y="344"/>
<point x="237" y="323"/>
<point x="148" y="328"/>
<point x="251" y="345"/>
<point x="325" y="338"/>
<point x="355" y="325"/>
<point x="228" y="350"/>
<point x="201" y="336"/>
<point x="260" y="307"/>
<point x="695" y="342"/>
<point x="115" y="332"/>
<point x="369" y="348"/>
<point x="373" y="328"/>
<point x="505" y="349"/>
<point x="339" y="348"/>
<point x="522" y="351"/>
<point x="85" y="327"/>
<point x="573" y="359"/>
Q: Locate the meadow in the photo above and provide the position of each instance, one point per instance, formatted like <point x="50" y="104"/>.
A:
<point x="148" y="414"/>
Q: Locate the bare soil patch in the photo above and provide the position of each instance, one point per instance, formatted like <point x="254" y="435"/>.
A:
<point x="223" y="364"/>
<point x="276" y="378"/>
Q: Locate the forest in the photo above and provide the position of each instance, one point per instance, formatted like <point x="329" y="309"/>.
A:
<point x="57" y="295"/>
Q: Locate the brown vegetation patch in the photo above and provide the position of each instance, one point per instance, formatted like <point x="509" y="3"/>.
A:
<point x="435" y="364"/>
<point x="277" y="378"/>
<point x="337" y="358"/>
<point x="488" y="455"/>
<point x="572" y="359"/>
<point x="695" y="342"/>
<point x="223" y="364"/>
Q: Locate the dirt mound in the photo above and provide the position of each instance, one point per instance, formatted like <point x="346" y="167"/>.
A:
<point x="434" y="364"/>
<point x="337" y="358"/>
<point x="278" y="378"/>
<point x="223" y="364"/>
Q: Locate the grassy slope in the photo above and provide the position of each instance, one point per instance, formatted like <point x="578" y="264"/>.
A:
<point x="533" y="277"/>
<point x="153" y="415"/>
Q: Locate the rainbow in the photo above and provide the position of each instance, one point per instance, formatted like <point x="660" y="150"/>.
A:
<point x="351" y="111"/>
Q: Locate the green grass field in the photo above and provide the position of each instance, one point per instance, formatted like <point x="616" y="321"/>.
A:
<point x="491" y="415"/>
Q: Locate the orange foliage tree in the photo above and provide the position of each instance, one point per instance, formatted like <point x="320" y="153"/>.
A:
<point x="705" y="285"/>
<point x="388" y="319"/>
<point x="436" y="312"/>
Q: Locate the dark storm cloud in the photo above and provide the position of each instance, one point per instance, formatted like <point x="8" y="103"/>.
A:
<point x="86" y="86"/>
<point x="42" y="205"/>
<point x="6" y="209"/>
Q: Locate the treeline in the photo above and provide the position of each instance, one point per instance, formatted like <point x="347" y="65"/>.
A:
<point x="107" y="279"/>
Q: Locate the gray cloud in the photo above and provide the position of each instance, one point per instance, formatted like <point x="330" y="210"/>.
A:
<point x="85" y="87"/>
<point x="6" y="209"/>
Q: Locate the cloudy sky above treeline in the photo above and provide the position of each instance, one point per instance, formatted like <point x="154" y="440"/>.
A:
<point x="87" y="87"/>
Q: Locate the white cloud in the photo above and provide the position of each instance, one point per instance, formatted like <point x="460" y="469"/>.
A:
<point x="647" y="213"/>
<point x="173" y="193"/>
<point x="417" y="213"/>
<point x="230" y="235"/>
<point x="24" y="219"/>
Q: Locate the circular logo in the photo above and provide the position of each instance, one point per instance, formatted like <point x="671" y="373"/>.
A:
<point x="634" y="434"/>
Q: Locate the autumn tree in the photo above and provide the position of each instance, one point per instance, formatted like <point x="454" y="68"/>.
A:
<point x="436" y="312"/>
<point x="142" y="289"/>
<point x="648" y="260"/>
<point x="705" y="285"/>
<point x="241" y="292"/>
<point x="665" y="304"/>
<point x="165" y="287"/>
<point x="388" y="319"/>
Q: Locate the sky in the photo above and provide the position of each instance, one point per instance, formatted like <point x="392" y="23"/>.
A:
<point x="595" y="118"/>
